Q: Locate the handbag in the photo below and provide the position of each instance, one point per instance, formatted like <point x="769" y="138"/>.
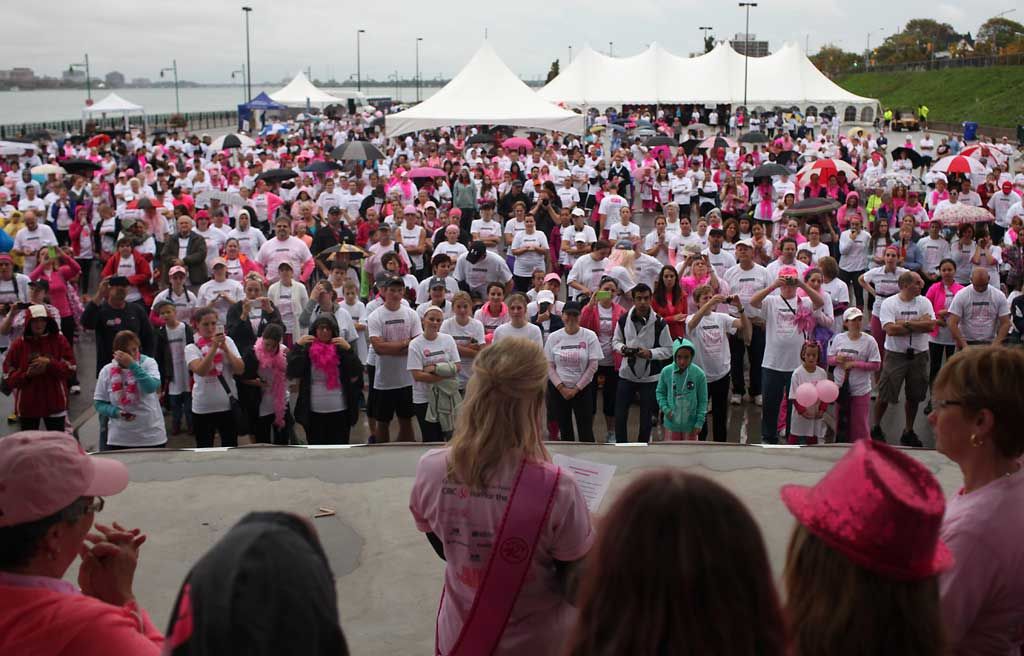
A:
<point x="238" y="416"/>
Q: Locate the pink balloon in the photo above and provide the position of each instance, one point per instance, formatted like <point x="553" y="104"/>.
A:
<point x="806" y="395"/>
<point x="827" y="391"/>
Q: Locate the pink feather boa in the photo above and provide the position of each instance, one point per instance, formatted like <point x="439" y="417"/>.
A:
<point x="324" y="356"/>
<point x="276" y="362"/>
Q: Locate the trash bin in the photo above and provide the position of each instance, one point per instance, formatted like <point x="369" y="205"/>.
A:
<point x="1020" y="135"/>
<point x="970" y="130"/>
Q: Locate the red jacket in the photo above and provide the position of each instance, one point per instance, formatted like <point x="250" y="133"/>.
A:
<point x="47" y="393"/>
<point x="142" y="280"/>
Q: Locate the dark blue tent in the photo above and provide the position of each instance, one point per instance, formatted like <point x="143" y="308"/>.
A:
<point x="261" y="102"/>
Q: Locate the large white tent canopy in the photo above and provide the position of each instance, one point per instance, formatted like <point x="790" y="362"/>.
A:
<point x="112" y="104"/>
<point x="485" y="92"/>
<point x="300" y="92"/>
<point x="785" y="78"/>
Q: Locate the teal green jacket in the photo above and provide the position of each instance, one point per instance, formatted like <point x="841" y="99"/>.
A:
<point x="682" y="394"/>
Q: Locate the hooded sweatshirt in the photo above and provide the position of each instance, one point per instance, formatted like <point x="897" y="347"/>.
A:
<point x="46" y="394"/>
<point x="682" y="394"/>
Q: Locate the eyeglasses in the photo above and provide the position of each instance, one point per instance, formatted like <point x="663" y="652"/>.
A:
<point x="942" y="403"/>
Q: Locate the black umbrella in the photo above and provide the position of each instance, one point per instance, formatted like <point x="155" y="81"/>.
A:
<point x="754" y="138"/>
<point x="689" y="146"/>
<point x="80" y="166"/>
<point x="661" y="140"/>
<point x="277" y="175"/>
<point x="480" y="138"/>
<point x="322" y="166"/>
<point x="785" y="157"/>
<point x="357" y="150"/>
<point x="38" y="134"/>
<point x="914" y="156"/>
<point x="770" y="169"/>
<point x="812" y="206"/>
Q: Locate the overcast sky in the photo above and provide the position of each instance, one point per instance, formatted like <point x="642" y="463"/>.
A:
<point x="208" y="37"/>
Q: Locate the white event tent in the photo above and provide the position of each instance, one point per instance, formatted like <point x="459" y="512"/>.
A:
<point x="485" y="92"/>
<point x="112" y="104"/>
<point x="785" y="79"/>
<point x="301" y="92"/>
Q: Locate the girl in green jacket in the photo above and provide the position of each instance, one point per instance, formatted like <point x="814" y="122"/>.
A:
<point x="682" y="394"/>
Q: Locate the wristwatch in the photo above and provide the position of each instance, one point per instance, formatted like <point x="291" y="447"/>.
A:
<point x="740" y="309"/>
<point x="906" y="324"/>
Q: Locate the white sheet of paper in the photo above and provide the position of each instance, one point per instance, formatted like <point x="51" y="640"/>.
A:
<point x="594" y="478"/>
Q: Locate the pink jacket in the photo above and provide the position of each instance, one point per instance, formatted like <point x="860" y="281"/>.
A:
<point x="59" y="278"/>
<point x="937" y="296"/>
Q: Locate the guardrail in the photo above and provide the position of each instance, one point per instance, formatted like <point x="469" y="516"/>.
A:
<point x="195" y="121"/>
<point x="940" y="64"/>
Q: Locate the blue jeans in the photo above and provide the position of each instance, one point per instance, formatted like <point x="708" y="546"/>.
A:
<point x="104" y="422"/>
<point x="648" y="406"/>
<point x="774" y="384"/>
<point x="181" y="408"/>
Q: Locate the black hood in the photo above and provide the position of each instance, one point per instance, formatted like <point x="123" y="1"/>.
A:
<point x="329" y="320"/>
<point x="264" y="589"/>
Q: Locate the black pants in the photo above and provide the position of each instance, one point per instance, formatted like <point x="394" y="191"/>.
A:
<point x="262" y="428"/>
<point x="581" y="406"/>
<point x="755" y="353"/>
<point x="611" y="385"/>
<point x="328" y="428"/>
<point x="718" y="395"/>
<point x="648" y="407"/>
<point x="215" y="422"/>
<point x="83" y="278"/>
<point x="430" y="431"/>
<point x="67" y="328"/>
<point x="522" y="283"/>
<point x="32" y="423"/>
<point x="850" y="277"/>
<point x="935" y="360"/>
<point x="112" y="447"/>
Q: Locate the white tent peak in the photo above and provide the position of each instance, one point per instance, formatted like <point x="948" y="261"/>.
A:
<point x="300" y="91"/>
<point x="485" y="92"/>
<point x="113" y="103"/>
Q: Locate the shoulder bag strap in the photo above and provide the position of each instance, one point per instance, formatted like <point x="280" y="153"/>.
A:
<point x="511" y="558"/>
<point x="227" y="390"/>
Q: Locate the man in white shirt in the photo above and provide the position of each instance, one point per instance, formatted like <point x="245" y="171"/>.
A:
<point x="283" y="248"/>
<point x="685" y="238"/>
<point x="487" y="228"/>
<point x="479" y="267"/>
<point x="30" y="201"/>
<point x="610" y="207"/>
<point x="719" y="259"/>
<point x="568" y="194"/>
<point x="29" y="239"/>
<point x="932" y="249"/>
<point x="586" y="273"/>
<point x="1000" y="204"/>
<point x="979" y="313"/>
<point x="391" y="328"/>
<point x="907" y="319"/>
<point x="249" y="239"/>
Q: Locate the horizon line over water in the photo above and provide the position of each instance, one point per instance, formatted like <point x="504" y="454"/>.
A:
<point x="39" y="105"/>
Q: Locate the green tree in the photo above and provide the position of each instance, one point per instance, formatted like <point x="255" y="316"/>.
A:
<point x="998" y="33"/>
<point x="919" y="39"/>
<point x="709" y="43"/>
<point x="552" y="72"/>
<point x="833" y="60"/>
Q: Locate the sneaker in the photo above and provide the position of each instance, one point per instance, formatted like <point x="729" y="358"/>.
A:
<point x="12" y="418"/>
<point x="736" y="399"/>
<point x="610" y="438"/>
<point x="758" y="400"/>
<point x="76" y="389"/>
<point x="910" y="438"/>
<point x="877" y="434"/>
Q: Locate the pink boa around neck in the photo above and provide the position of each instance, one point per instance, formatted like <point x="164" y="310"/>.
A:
<point x="277" y="363"/>
<point x="324" y="356"/>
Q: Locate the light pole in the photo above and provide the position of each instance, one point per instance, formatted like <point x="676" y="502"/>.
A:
<point x="705" y="30"/>
<point x="611" y="49"/>
<point x="418" y="39"/>
<point x="570" y="54"/>
<point x="240" y="71"/>
<point x="359" y="62"/>
<point x="88" y="82"/>
<point x="173" y="67"/>
<point x="248" y="60"/>
<point x="746" y="50"/>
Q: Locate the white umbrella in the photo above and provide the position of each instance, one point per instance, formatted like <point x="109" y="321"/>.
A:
<point x="47" y="169"/>
<point x="959" y="164"/>
<point x="232" y="141"/>
<point x="15" y="148"/>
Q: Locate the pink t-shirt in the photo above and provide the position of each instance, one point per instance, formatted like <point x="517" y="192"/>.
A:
<point x="467" y="524"/>
<point x="983" y="595"/>
<point x="275" y="251"/>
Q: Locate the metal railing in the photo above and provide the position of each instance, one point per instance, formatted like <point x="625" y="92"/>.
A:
<point x="940" y="64"/>
<point x="196" y="121"/>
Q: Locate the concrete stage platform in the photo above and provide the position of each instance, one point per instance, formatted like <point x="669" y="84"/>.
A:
<point x="388" y="577"/>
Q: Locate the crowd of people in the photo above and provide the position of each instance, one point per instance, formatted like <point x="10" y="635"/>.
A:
<point x="876" y="551"/>
<point x="248" y="290"/>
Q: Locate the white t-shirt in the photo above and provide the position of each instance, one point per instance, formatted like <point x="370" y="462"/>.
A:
<point x="571" y="354"/>
<point x="490" y="268"/>
<point x="410" y="238"/>
<point x="471" y="333"/>
<point x="453" y="251"/>
<point x="610" y="206"/>
<point x="783" y="338"/>
<point x="424" y="352"/>
<point x="932" y="252"/>
<point x="209" y="290"/>
<point x="588" y="272"/>
<point x="322" y="400"/>
<point x="208" y="394"/>
<point x="885" y="283"/>
<point x="147" y="429"/>
<point x="896" y="310"/>
<point x="711" y="344"/>
<point x="747" y="282"/>
<point x="176" y="341"/>
<point x="392" y="326"/>
<point x="529" y="331"/>
<point x="484" y="229"/>
<point x="721" y="261"/>
<point x="617" y="231"/>
<point x="817" y="252"/>
<point x="798" y="424"/>
<point x="249" y="241"/>
<point x="571" y="235"/>
<point x="31" y="241"/>
<point x="652" y="239"/>
<point x="423" y="289"/>
<point x="447" y="310"/>
<point x="979" y="312"/>
<point x="863" y="349"/>
<point x="853" y="251"/>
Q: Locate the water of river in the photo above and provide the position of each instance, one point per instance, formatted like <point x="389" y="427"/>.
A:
<point x="66" y="104"/>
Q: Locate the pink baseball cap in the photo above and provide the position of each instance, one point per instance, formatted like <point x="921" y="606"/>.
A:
<point x="177" y="268"/>
<point x="43" y="472"/>
<point x="410" y="209"/>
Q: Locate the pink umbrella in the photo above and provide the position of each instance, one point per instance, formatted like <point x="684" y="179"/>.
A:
<point x="826" y="168"/>
<point x="515" y="143"/>
<point x="959" y="164"/>
<point x="426" y="172"/>
<point x="981" y="150"/>
<point x="959" y="213"/>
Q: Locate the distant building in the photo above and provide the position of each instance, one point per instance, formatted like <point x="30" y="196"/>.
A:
<point x="73" y="75"/>
<point x="114" y="79"/>
<point x="5" y="75"/>
<point x="141" y="82"/>
<point x="747" y="44"/>
<point x="22" y="75"/>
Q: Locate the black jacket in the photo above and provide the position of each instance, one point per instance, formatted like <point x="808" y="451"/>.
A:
<point x="350" y="372"/>
<point x="163" y="357"/>
<point x="326" y="237"/>
<point x="242" y="332"/>
<point x="107" y="322"/>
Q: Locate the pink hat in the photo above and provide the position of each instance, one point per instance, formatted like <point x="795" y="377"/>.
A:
<point x="553" y="276"/>
<point x="177" y="269"/>
<point x="42" y="472"/>
<point x="878" y="507"/>
<point x="788" y="272"/>
<point x="410" y="209"/>
<point x="455" y="212"/>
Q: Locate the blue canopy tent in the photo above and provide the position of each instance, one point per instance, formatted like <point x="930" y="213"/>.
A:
<point x="260" y="103"/>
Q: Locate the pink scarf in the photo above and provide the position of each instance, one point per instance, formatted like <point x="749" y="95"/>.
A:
<point x="122" y="384"/>
<point x="324" y="356"/>
<point x="276" y="362"/>
<point x="765" y="205"/>
<point x="218" y="360"/>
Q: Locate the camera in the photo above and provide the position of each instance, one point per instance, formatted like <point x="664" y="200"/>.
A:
<point x="630" y="351"/>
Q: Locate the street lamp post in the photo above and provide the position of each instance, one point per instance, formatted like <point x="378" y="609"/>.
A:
<point x="570" y="54"/>
<point x="174" y="68"/>
<point x="418" y="39"/>
<point x="88" y="81"/>
<point x="746" y="50"/>
<point x="611" y="49"/>
<point x="705" y="29"/>
<point x="359" y="62"/>
<point x="248" y="59"/>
